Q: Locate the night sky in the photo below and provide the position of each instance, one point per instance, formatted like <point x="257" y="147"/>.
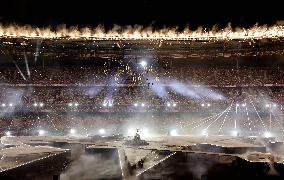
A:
<point x="129" y="12"/>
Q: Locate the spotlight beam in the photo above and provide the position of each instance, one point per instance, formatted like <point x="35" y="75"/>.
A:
<point x="19" y="70"/>
<point x="27" y="65"/>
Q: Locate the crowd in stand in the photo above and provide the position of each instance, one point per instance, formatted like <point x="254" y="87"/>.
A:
<point x="59" y="99"/>
<point x="94" y="88"/>
<point x="97" y="75"/>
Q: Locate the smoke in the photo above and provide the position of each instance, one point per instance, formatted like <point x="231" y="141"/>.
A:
<point x="157" y="87"/>
<point x="95" y="166"/>
<point x="183" y="89"/>
<point x="141" y="32"/>
<point x="11" y="99"/>
<point x="199" y="165"/>
<point x="93" y="91"/>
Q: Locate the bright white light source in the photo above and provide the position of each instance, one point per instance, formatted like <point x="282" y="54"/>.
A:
<point x="10" y="104"/>
<point x="235" y="133"/>
<point x="173" y="132"/>
<point x="131" y="131"/>
<point x="3" y="105"/>
<point x="70" y="104"/>
<point x="76" y="104"/>
<point x="104" y="104"/>
<point x="41" y="132"/>
<point x="72" y="131"/>
<point x="267" y="134"/>
<point x="204" y="132"/>
<point x="8" y="133"/>
<point x="244" y="105"/>
<point x="208" y="105"/>
<point x="143" y="63"/>
<point x="168" y="104"/>
<point x="102" y="131"/>
<point x="267" y="105"/>
<point x="174" y="104"/>
<point x="274" y="105"/>
<point x="202" y="105"/>
<point x="41" y="104"/>
<point x="145" y="133"/>
<point x="237" y="105"/>
<point x="35" y="104"/>
<point x="142" y="104"/>
<point x="135" y="104"/>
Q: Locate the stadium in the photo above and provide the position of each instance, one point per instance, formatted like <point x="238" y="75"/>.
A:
<point x="196" y="97"/>
<point x="175" y="91"/>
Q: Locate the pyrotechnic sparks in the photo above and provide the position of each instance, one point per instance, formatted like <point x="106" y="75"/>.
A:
<point x="144" y="33"/>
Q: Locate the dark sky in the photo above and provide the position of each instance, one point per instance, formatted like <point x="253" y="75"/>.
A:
<point x="143" y="12"/>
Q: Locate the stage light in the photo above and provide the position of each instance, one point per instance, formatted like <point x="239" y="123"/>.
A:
<point x="145" y="133"/>
<point x="143" y="63"/>
<point x="8" y="133"/>
<point x="168" y="104"/>
<point x="174" y="104"/>
<point x="135" y="104"/>
<point x="142" y="104"/>
<point x="131" y="131"/>
<point x="204" y="132"/>
<point x="104" y="104"/>
<point x="237" y="105"/>
<point x="41" y="132"/>
<point x="76" y="104"/>
<point x="244" y="105"/>
<point x="267" y="134"/>
<point x="3" y="105"/>
<point x="234" y="133"/>
<point x="10" y="104"/>
<point x="70" y="104"/>
<point x="274" y="105"/>
<point x="267" y="105"/>
<point x="202" y="105"/>
<point x="35" y="104"/>
<point x="102" y="131"/>
<point x="208" y="105"/>
<point x="173" y="132"/>
<point x="72" y="131"/>
<point x="41" y="104"/>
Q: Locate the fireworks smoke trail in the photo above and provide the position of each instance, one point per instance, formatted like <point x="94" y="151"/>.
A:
<point x="38" y="44"/>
